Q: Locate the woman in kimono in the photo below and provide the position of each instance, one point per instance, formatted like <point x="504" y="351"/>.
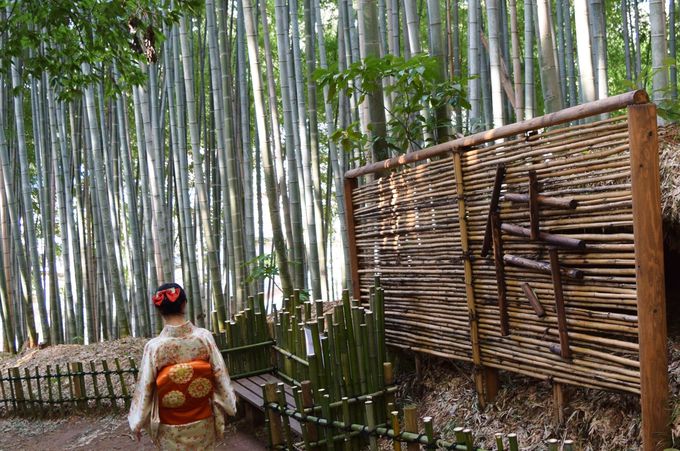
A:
<point x="183" y="389"/>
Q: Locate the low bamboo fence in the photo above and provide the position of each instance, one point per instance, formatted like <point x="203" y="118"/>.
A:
<point x="402" y="428"/>
<point x="327" y="357"/>
<point x="61" y="388"/>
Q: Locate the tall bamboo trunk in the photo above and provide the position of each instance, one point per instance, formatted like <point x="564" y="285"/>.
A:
<point x="292" y="140"/>
<point x="569" y="55"/>
<point x="337" y="169"/>
<point x="475" y="116"/>
<point x="58" y="147"/>
<point x="42" y="156"/>
<point x="585" y="65"/>
<point x="600" y="47"/>
<point x="182" y="174"/>
<point x="199" y="183"/>
<point x="495" y="62"/>
<point x="104" y="209"/>
<point x="319" y="217"/>
<point x="139" y="287"/>
<point x="305" y="154"/>
<point x="657" y="24"/>
<point x="551" y="81"/>
<point x="529" y="98"/>
<point x="10" y="213"/>
<point x="270" y="180"/>
<point x="671" y="49"/>
<point x="27" y="201"/>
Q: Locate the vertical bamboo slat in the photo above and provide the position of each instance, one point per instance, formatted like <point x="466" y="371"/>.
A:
<point x="109" y="383"/>
<point x="95" y="386"/>
<point x="469" y="281"/>
<point x="18" y="388"/>
<point x="274" y="419"/>
<point x="31" y="398"/>
<point x="411" y="425"/>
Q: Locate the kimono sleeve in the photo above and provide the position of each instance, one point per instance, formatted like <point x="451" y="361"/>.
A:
<point x="224" y="399"/>
<point x="140" y="408"/>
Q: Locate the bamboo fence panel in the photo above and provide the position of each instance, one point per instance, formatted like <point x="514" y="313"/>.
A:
<point x="40" y="391"/>
<point x="407" y="232"/>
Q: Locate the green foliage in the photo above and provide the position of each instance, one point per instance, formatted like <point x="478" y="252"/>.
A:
<point x="57" y="36"/>
<point x="416" y="90"/>
<point x="262" y="267"/>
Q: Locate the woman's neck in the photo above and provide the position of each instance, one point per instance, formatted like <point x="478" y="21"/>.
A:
<point x="174" y="320"/>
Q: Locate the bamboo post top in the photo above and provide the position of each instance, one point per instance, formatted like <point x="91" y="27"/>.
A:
<point x="601" y="106"/>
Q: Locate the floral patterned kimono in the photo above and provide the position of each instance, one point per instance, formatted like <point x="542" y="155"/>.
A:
<point x="183" y="390"/>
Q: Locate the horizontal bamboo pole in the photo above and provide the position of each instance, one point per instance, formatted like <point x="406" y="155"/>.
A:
<point x="540" y="266"/>
<point x="381" y="431"/>
<point x="601" y="106"/>
<point x="548" y="237"/>
<point x="555" y="202"/>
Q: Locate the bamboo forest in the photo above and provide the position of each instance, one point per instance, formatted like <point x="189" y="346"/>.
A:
<point x="350" y="194"/>
<point x="235" y="113"/>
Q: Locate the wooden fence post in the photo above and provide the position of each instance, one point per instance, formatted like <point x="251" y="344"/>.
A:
<point x="649" y="273"/>
<point x="350" y="185"/>
<point x="18" y="389"/>
<point x="78" y="381"/>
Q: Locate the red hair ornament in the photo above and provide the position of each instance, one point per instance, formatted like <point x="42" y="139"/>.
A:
<point x="171" y="294"/>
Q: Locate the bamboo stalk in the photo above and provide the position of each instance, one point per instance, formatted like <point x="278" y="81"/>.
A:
<point x="559" y="240"/>
<point x="543" y="267"/>
<point x="533" y="300"/>
<point x="500" y="273"/>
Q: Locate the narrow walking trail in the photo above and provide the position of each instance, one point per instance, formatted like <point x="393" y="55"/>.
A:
<point x="108" y="432"/>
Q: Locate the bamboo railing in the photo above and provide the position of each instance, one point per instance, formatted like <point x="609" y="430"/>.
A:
<point x="573" y="291"/>
<point x="337" y="358"/>
<point x="54" y="389"/>
<point x="401" y="427"/>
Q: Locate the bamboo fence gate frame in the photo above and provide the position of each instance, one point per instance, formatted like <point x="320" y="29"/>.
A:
<point x="606" y="319"/>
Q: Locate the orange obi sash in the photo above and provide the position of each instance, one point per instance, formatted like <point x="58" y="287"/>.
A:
<point x="184" y="392"/>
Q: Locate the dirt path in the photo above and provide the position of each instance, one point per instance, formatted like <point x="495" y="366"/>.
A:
<point x="109" y="432"/>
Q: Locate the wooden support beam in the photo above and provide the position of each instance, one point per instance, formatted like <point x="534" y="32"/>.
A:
<point x="493" y="206"/>
<point x="492" y="383"/>
<point x="560" y="400"/>
<point x="534" y="214"/>
<point x="558" y="240"/>
<point x="559" y="304"/>
<point x="533" y="300"/>
<point x="649" y="275"/>
<point x="350" y="185"/>
<point x="540" y="266"/>
<point x="500" y="274"/>
<point x="546" y="201"/>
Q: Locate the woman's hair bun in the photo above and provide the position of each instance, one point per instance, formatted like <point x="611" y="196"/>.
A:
<point x="166" y="304"/>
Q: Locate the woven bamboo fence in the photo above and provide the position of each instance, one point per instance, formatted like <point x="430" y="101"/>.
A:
<point x="54" y="389"/>
<point x="517" y="249"/>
